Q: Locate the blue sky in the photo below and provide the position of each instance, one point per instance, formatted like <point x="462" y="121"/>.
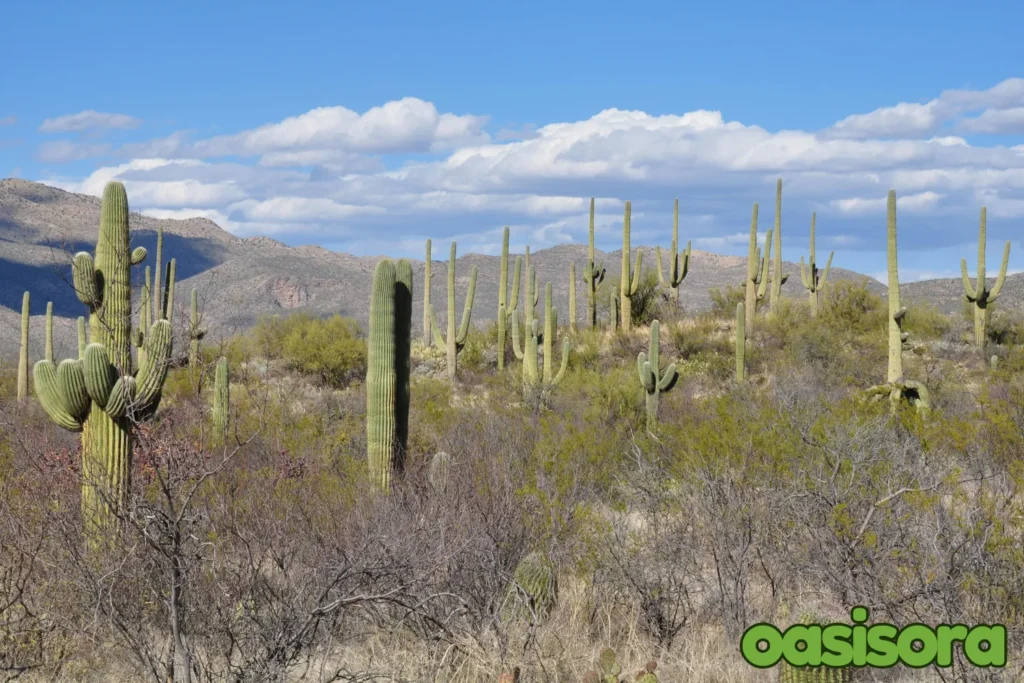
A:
<point x="452" y="119"/>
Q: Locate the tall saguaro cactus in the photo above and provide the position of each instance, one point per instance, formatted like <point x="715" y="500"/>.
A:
<point x="741" y="344"/>
<point x="628" y="286"/>
<point x="504" y="308"/>
<point x="678" y="262"/>
<point x="572" y="297"/>
<point x="221" y="402"/>
<point x="654" y="382"/>
<point x="427" y="277"/>
<point x="99" y="394"/>
<point x="896" y="387"/>
<point x="196" y="332"/>
<point x="592" y="275"/>
<point x="757" y="272"/>
<point x="778" y="279"/>
<point x="533" y="373"/>
<point x="981" y="296"/>
<point x="387" y="370"/>
<point x="809" y="273"/>
<point x="48" y="349"/>
<point x="23" y="350"/>
<point x="455" y="341"/>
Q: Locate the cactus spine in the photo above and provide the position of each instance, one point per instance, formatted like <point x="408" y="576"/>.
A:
<point x="980" y="295"/>
<point x="778" y="279"/>
<point x="628" y="286"/>
<point x="23" y="350"/>
<point x="195" y="333"/>
<point x="678" y="263"/>
<point x="534" y="587"/>
<point x="572" y="297"/>
<point x="455" y="340"/>
<point x="593" y="275"/>
<point x="221" y="402"/>
<point x="757" y="272"/>
<point x="504" y="309"/>
<point x="387" y="370"/>
<point x="427" y="276"/>
<point x="98" y="394"/>
<point x="741" y="344"/>
<point x="649" y="367"/>
<point x="809" y="275"/>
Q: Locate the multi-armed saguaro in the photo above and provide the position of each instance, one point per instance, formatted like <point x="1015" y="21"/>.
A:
<point x="592" y="275"/>
<point x="455" y="341"/>
<point x="23" y="350"/>
<point x="778" y="279"/>
<point x="387" y="370"/>
<point x="809" y="275"/>
<point x="757" y="272"/>
<point x="427" y="277"/>
<point x="534" y="338"/>
<point x="99" y="395"/>
<point x="628" y="286"/>
<point x="196" y="332"/>
<point x="648" y="365"/>
<point x="504" y="309"/>
<point x="678" y="262"/>
<point x="981" y="296"/>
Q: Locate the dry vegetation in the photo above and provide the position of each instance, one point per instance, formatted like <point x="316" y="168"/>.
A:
<point x="272" y="559"/>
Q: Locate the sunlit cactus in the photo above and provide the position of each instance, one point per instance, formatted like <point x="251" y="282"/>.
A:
<point x="534" y="590"/>
<point x="593" y="275"/>
<point x="455" y="340"/>
<point x="980" y="295"/>
<point x="678" y="262"/>
<point x="812" y="282"/>
<point x="757" y="272"/>
<point x="572" y="297"/>
<point x="428" y="339"/>
<point x="652" y="379"/>
<point x="196" y="332"/>
<point x="48" y="348"/>
<point x="508" y="305"/>
<point x="741" y="344"/>
<point x="221" y="402"/>
<point x="778" y="279"/>
<point x="628" y="286"/>
<point x="23" y="349"/>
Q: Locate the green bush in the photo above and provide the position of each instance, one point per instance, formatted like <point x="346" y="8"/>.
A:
<point x="723" y="304"/>
<point x="330" y="349"/>
<point x="851" y="309"/>
<point x="925" y="321"/>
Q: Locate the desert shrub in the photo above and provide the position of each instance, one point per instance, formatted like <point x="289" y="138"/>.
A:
<point x="925" y="321"/>
<point x="1006" y="327"/>
<point x="724" y="303"/>
<point x="647" y="304"/>
<point x="331" y="349"/>
<point x="852" y="310"/>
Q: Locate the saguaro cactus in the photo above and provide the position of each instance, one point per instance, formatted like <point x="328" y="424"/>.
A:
<point x="648" y="367"/>
<point x="98" y="394"/>
<point x="678" y="263"/>
<point x="896" y="387"/>
<point x="23" y="350"/>
<point x="757" y="271"/>
<point x="534" y="588"/>
<point x="628" y="286"/>
<point x="741" y="344"/>
<point x="813" y="674"/>
<point x="504" y="309"/>
<point x="809" y="275"/>
<point x="613" y="306"/>
<point x="221" y="402"/>
<point x="592" y="275"/>
<point x="980" y="295"/>
<point x="534" y="375"/>
<point x="778" y="279"/>
<point x="48" y="349"/>
<point x="572" y="297"/>
<point x="387" y="370"/>
<point x="196" y="332"/>
<point x="455" y="341"/>
<point x="82" y="341"/>
<point x="427" y="277"/>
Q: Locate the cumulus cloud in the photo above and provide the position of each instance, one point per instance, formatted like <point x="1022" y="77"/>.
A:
<point x="64" y="151"/>
<point x="89" y="120"/>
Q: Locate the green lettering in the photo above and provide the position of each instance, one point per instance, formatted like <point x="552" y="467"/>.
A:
<point x="882" y="649"/>
<point x="753" y="637"/>
<point x="947" y="636"/>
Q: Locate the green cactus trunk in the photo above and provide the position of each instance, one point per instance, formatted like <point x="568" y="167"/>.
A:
<point x="455" y="340"/>
<point x="980" y="296"/>
<point x="533" y="593"/>
<point x="741" y="345"/>
<point x="196" y="333"/>
<point x="504" y="308"/>
<point x="628" y="286"/>
<point x="550" y="333"/>
<point x="221" y="402"/>
<point x="649" y="369"/>
<point x="572" y="297"/>
<point x="678" y="263"/>
<point x="82" y="340"/>
<point x="593" y="275"/>
<point x="818" y="674"/>
<point x="778" y="279"/>
<point x="757" y="272"/>
<point x="428" y="338"/>
<point x="48" y="349"/>
<point x="403" y="362"/>
<point x="613" y="305"/>
<point x="23" y="350"/>
<point x="809" y="274"/>
<point x="896" y="312"/>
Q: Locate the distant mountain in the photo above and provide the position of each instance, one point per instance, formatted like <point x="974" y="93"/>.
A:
<point x="239" y="280"/>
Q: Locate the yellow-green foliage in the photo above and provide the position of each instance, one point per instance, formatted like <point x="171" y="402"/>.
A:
<point x="332" y="349"/>
<point x="724" y="303"/>
<point x="925" y="321"/>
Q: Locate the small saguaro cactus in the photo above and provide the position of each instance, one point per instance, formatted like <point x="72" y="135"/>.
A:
<point x="649" y="369"/>
<point x="809" y="273"/>
<point x="387" y="370"/>
<point x="592" y="275"/>
<point x="505" y="309"/>
<point x="757" y="271"/>
<point x="533" y="374"/>
<point x="23" y="350"/>
<point x="896" y="387"/>
<point x="741" y="344"/>
<point x="778" y="279"/>
<point x="196" y="332"/>
<point x="628" y="286"/>
<point x="427" y="277"/>
<point x="48" y="349"/>
<point x="981" y="296"/>
<point x="534" y="589"/>
<point x="678" y="262"/>
<point x="613" y="306"/>
<point x="221" y="402"/>
<point x="455" y="340"/>
<point x="98" y="394"/>
<point x="572" y="297"/>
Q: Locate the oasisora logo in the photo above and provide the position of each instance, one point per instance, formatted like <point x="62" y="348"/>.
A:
<point x="878" y="645"/>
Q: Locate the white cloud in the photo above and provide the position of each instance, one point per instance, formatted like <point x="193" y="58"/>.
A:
<point x="89" y="120"/>
<point x="914" y="203"/>
<point x="63" y="151"/>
